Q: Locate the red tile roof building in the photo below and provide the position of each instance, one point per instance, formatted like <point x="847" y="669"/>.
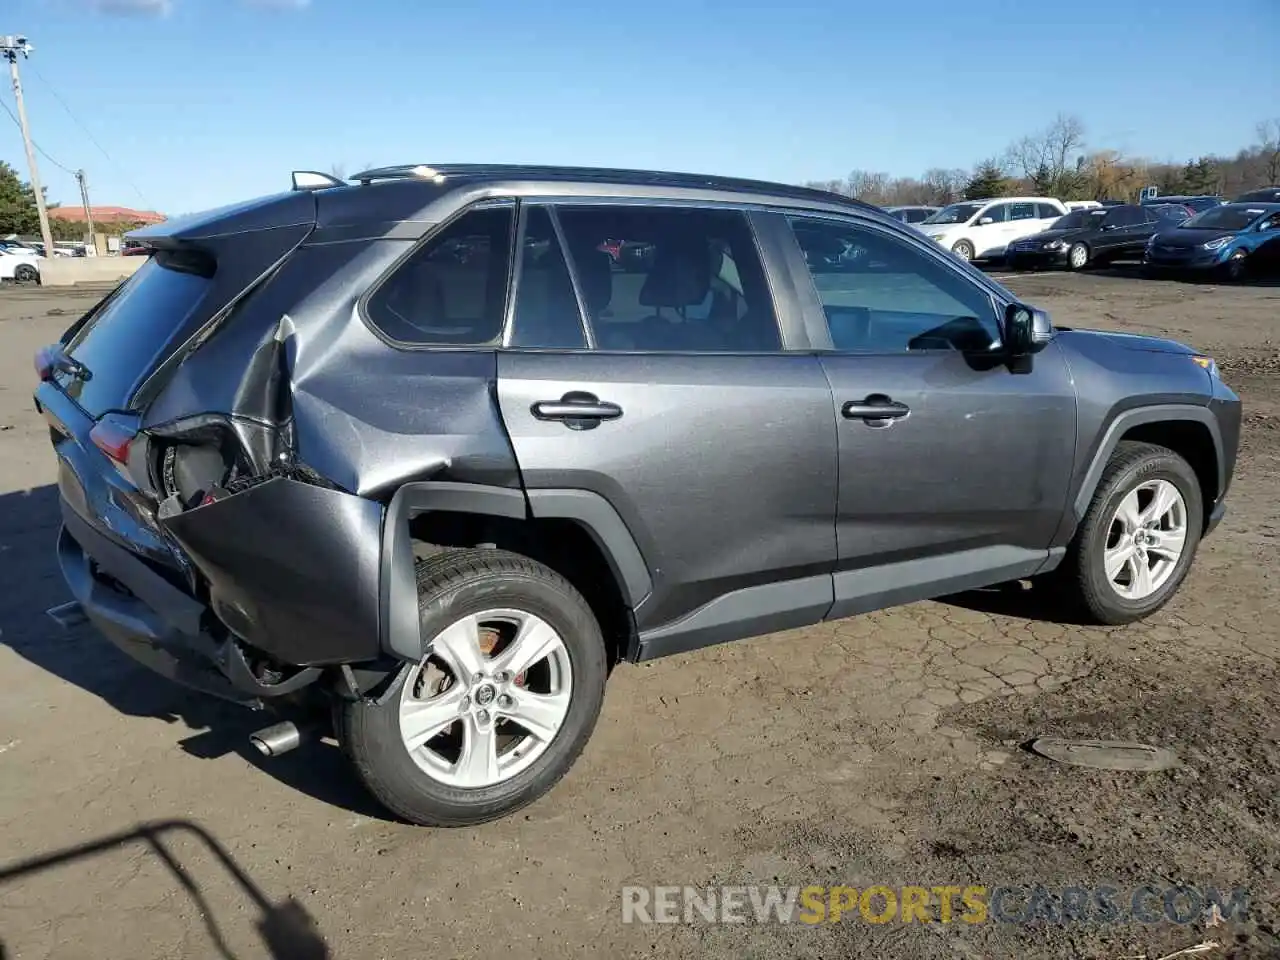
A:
<point x="107" y="215"/>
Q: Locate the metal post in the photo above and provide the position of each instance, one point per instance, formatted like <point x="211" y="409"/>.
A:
<point x="88" y="210"/>
<point x="10" y="47"/>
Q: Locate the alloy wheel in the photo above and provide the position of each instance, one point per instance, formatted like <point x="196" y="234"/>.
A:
<point x="488" y="699"/>
<point x="1145" y="540"/>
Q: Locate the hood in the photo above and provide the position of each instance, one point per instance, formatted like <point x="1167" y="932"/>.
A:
<point x="937" y="227"/>
<point x="1133" y="341"/>
<point x="1190" y="238"/>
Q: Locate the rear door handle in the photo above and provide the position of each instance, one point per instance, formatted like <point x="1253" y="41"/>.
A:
<point x="875" y="408"/>
<point x="577" y="409"/>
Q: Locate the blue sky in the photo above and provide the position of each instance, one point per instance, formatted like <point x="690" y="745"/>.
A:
<point x="201" y="102"/>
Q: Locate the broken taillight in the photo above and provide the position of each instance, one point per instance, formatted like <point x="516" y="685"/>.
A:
<point x="113" y="437"/>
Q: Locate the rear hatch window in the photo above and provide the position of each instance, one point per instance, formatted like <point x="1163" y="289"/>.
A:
<point x="128" y="334"/>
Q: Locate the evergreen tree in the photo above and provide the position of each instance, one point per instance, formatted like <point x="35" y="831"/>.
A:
<point x="1201" y="176"/>
<point x="18" y="212"/>
<point x="988" y="180"/>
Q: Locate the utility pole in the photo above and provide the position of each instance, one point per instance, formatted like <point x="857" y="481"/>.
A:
<point x="10" y="47"/>
<point x="88" y="210"/>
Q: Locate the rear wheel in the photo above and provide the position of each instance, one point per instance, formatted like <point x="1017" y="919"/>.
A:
<point x="25" y="273"/>
<point x="963" y="250"/>
<point x="1138" y="538"/>
<point x="1078" y="256"/>
<point x="500" y="707"/>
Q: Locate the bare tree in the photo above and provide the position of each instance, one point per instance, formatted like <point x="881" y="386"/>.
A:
<point x="1269" y="145"/>
<point x="338" y="170"/>
<point x="1050" y="157"/>
<point x="943" y="186"/>
<point x="871" y="187"/>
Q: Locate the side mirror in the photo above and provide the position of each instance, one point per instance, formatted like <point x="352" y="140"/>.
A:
<point x="985" y="220"/>
<point x="1026" y="330"/>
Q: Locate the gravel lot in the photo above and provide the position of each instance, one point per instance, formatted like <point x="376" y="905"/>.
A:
<point x="882" y="749"/>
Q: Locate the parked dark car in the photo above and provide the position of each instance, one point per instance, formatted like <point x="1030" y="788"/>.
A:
<point x="1230" y="240"/>
<point x="1263" y="195"/>
<point x="1176" y="212"/>
<point x="911" y="214"/>
<point x="1090" y="238"/>
<point x="306" y="451"/>
<point x="1197" y="204"/>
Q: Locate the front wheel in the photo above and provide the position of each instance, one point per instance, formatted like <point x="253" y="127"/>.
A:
<point x="963" y="250"/>
<point x="1078" y="256"/>
<point x="499" y="708"/>
<point x="1236" y="265"/>
<point x="1138" y="537"/>
<point x="25" y="273"/>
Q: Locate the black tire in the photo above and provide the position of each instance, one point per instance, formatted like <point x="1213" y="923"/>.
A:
<point x="1082" y="575"/>
<point x="452" y="585"/>
<point x="964" y="250"/>
<point x="1072" y="257"/>
<point x="25" y="273"/>
<point x="1236" y="266"/>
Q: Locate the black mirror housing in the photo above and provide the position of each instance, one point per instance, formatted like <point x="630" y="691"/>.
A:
<point x="1026" y="329"/>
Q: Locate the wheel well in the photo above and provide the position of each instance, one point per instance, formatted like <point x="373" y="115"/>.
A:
<point x="563" y="545"/>
<point x="1191" y="441"/>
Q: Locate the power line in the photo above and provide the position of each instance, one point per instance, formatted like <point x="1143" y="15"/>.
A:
<point x="101" y="149"/>
<point x="60" y="166"/>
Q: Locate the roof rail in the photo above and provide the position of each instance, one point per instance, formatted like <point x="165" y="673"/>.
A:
<point x="401" y="172"/>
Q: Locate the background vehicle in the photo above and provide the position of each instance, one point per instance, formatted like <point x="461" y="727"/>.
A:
<point x="1082" y="205"/>
<point x="983" y="229"/>
<point x="1090" y="238"/>
<point x="1175" y="212"/>
<point x="20" y="267"/>
<point x="911" y="214"/>
<point x="1232" y="239"/>
<point x="1197" y="204"/>
<point x="239" y="515"/>
<point x="1263" y="195"/>
<point x="134" y="248"/>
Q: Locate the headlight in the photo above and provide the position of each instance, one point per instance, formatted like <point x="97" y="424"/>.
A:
<point x="1208" y="364"/>
<point x="1055" y="245"/>
<point x="1217" y="244"/>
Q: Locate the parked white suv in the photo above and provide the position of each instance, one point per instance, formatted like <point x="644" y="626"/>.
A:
<point x="982" y="229"/>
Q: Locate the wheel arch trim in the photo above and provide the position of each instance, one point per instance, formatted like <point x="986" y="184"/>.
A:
<point x="1121" y="424"/>
<point x="398" y="591"/>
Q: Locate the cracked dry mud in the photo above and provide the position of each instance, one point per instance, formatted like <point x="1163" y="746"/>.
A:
<point x="880" y="749"/>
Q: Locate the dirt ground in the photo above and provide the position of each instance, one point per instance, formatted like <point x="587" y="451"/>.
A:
<point x="878" y="750"/>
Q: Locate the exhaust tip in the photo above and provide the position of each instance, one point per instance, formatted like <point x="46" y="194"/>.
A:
<point x="276" y="739"/>
<point x="67" y="615"/>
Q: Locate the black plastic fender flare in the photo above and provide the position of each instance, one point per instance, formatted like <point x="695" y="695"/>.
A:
<point x="1123" y="422"/>
<point x="398" y="590"/>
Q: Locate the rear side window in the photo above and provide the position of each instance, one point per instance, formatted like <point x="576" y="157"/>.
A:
<point x="670" y="279"/>
<point x="1022" y="211"/>
<point x="452" y="290"/>
<point x="546" y="310"/>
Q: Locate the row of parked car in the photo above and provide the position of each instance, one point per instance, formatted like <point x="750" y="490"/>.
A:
<point x="1192" y="233"/>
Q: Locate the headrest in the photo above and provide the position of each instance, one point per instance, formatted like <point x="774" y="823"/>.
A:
<point x="681" y="274"/>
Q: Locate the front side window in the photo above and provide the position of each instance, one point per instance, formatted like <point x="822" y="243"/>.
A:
<point x="670" y="279"/>
<point x="1047" y="211"/>
<point x="999" y="213"/>
<point x="888" y="296"/>
<point x="452" y="290"/>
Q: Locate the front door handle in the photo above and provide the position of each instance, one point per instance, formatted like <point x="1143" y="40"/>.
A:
<point x="877" y="408"/>
<point x="577" y="410"/>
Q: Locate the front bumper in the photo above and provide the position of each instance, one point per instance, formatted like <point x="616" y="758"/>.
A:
<point x="1035" y="258"/>
<point x="1192" y="260"/>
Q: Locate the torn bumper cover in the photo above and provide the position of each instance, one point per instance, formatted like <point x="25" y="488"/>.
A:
<point x="291" y="571"/>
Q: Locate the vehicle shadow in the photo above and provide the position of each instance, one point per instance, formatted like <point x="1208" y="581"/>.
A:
<point x="1024" y="599"/>
<point x="286" y="929"/>
<point x="29" y="522"/>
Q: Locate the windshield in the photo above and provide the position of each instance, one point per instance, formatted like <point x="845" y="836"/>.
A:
<point x="1224" y="218"/>
<point x="1079" y="219"/>
<point x="956" y="213"/>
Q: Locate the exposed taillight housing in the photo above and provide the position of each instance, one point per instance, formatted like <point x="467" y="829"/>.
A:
<point x="44" y="363"/>
<point x="114" y="435"/>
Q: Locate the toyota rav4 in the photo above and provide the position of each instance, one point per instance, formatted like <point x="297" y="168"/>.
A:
<point x="419" y="447"/>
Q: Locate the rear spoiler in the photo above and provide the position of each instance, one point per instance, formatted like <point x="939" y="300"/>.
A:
<point x="314" y="180"/>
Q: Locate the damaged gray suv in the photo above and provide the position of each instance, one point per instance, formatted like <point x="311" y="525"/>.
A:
<point x="439" y="447"/>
